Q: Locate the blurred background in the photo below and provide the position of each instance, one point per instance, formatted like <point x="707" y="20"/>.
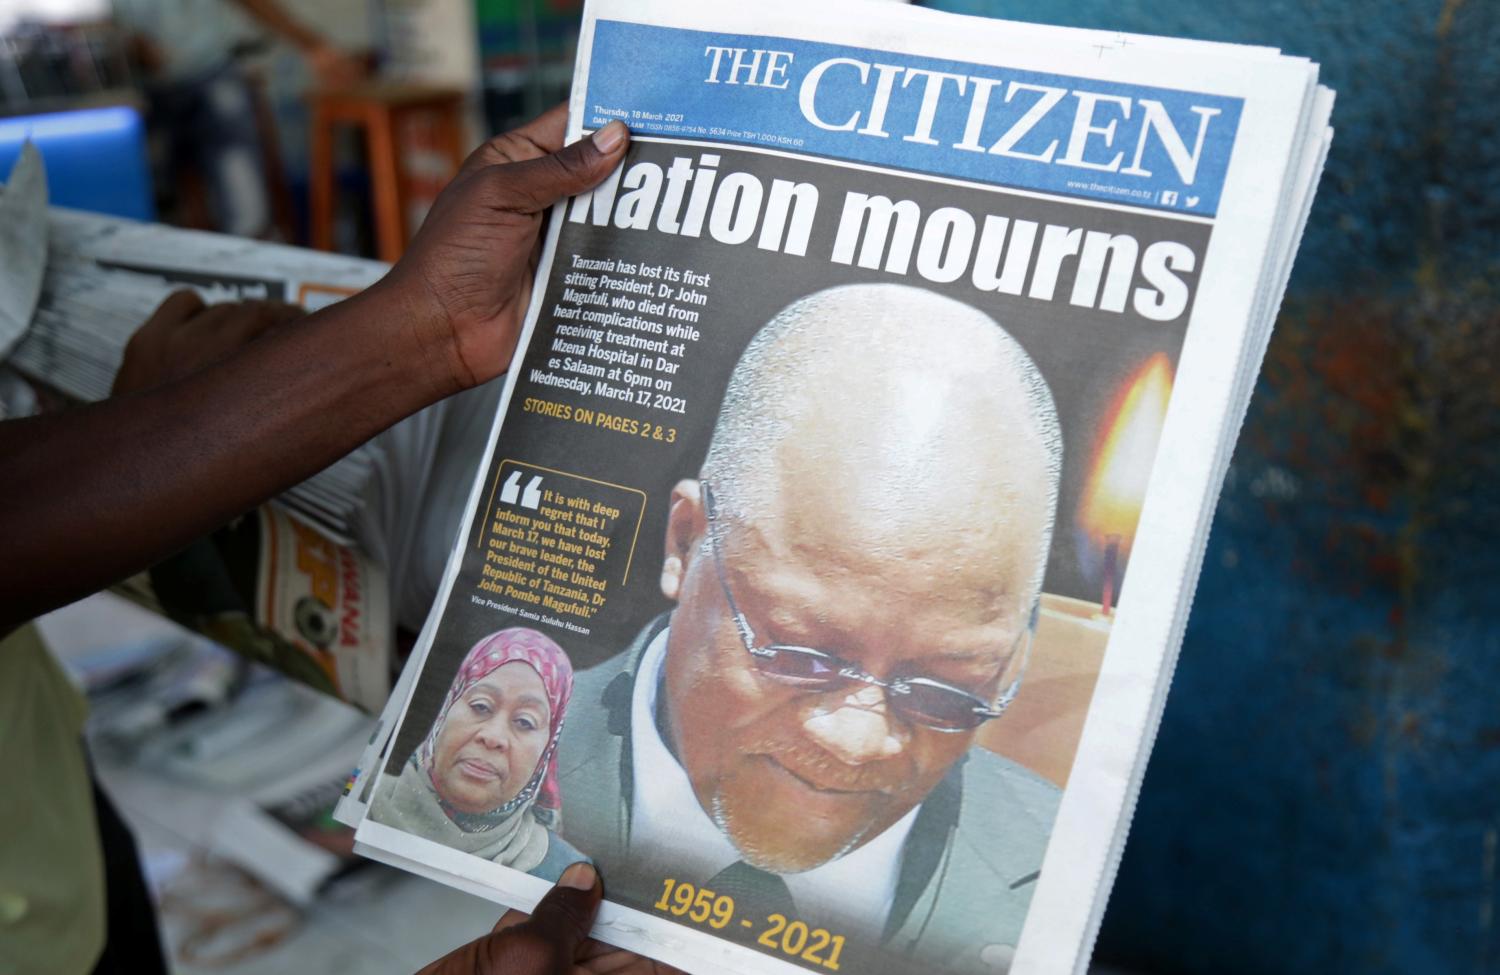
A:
<point x="1324" y="795"/>
<point x="236" y="97"/>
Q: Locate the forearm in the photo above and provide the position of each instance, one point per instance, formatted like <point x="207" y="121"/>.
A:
<point x="99" y="493"/>
<point x="95" y="495"/>
<point x="274" y="17"/>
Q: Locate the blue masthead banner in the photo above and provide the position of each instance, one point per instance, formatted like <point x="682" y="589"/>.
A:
<point x="1079" y="137"/>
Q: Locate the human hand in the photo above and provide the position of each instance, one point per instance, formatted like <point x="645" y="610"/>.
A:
<point x="464" y="283"/>
<point x="552" y="941"/>
<point x="183" y="335"/>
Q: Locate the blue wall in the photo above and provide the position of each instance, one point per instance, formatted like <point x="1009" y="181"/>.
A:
<point x="1325" y="793"/>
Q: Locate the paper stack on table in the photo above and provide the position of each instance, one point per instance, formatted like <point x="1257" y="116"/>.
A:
<point x="389" y="506"/>
<point x="105" y="276"/>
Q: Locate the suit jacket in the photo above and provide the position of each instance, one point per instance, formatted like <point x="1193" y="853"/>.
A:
<point x="967" y="870"/>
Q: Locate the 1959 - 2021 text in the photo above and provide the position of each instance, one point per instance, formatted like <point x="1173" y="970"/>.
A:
<point x="787" y="936"/>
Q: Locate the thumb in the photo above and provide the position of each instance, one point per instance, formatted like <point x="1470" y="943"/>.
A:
<point x="548" y="941"/>
<point x="535" y="184"/>
<point x="566" y="913"/>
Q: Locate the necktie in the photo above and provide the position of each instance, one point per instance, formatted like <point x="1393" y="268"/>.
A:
<point x="757" y="894"/>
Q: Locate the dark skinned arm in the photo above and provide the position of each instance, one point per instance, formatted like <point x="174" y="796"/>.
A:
<point x="99" y="493"/>
<point x="332" y="67"/>
<point x="274" y="17"/>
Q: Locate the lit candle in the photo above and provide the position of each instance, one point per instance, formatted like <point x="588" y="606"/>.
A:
<point x="1111" y="572"/>
<point x="1117" y="481"/>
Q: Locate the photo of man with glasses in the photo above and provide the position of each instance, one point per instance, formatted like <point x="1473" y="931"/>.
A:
<point x="856" y="572"/>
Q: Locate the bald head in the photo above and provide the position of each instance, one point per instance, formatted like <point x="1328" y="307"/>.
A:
<point x="897" y="424"/>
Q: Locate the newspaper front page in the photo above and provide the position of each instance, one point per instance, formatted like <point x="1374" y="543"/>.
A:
<point x="825" y="574"/>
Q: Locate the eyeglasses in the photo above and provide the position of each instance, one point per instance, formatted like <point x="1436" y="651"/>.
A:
<point x="916" y="700"/>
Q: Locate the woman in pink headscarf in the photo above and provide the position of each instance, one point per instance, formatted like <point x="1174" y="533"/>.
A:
<point x="485" y="779"/>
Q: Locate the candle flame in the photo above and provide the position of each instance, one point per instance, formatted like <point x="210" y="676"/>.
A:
<point x="1116" y="488"/>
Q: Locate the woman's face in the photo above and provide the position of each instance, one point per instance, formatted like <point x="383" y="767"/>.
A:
<point x="492" y="739"/>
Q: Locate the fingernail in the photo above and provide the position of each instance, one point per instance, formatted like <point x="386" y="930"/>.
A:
<point x="580" y="876"/>
<point x="608" y="139"/>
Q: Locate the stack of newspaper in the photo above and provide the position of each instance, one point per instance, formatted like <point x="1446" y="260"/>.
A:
<point x="827" y="567"/>
<point x="106" y="276"/>
<point x="315" y="584"/>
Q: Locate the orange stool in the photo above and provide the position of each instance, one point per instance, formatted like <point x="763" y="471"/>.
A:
<point x="384" y="111"/>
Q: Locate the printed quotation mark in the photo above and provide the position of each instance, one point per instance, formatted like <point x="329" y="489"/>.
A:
<point x="530" y="498"/>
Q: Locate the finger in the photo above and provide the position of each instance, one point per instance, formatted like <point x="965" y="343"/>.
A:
<point x="146" y="351"/>
<point x="548" y="129"/>
<point x="617" y="961"/>
<point x="175" y="309"/>
<point x="622" y="962"/>
<point x="564" y="916"/>
<point x="539" y="137"/>
<point x="508" y="920"/>
<point x="263" y="316"/>
<point x="233" y="322"/>
<point x="534" y="185"/>
<point x="204" y="334"/>
<point x="594" y="948"/>
<point x="244" y="324"/>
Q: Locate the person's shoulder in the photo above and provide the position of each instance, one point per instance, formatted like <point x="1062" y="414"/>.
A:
<point x="599" y="711"/>
<point x="1005" y="817"/>
<point x="999" y="782"/>
<point x="589" y="715"/>
<point x="560" y="856"/>
<point x="994" y="858"/>
<point x="590" y="684"/>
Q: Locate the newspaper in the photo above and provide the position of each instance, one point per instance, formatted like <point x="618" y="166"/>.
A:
<point x="104" y="277"/>
<point x="316" y="583"/>
<point x="827" y="567"/>
<point x="23" y="221"/>
<point x="277" y="591"/>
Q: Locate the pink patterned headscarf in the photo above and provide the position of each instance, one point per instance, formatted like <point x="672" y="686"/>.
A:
<point x="552" y="665"/>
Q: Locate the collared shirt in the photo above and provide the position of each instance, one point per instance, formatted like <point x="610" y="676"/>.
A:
<point x="51" y="866"/>
<point x="668" y="823"/>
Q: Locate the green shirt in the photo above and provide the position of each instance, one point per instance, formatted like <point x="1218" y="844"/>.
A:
<point x="51" y="867"/>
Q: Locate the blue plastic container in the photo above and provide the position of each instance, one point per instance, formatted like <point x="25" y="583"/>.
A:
<point x="95" y="158"/>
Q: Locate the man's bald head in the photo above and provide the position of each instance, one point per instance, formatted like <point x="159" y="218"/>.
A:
<point x="896" y="418"/>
